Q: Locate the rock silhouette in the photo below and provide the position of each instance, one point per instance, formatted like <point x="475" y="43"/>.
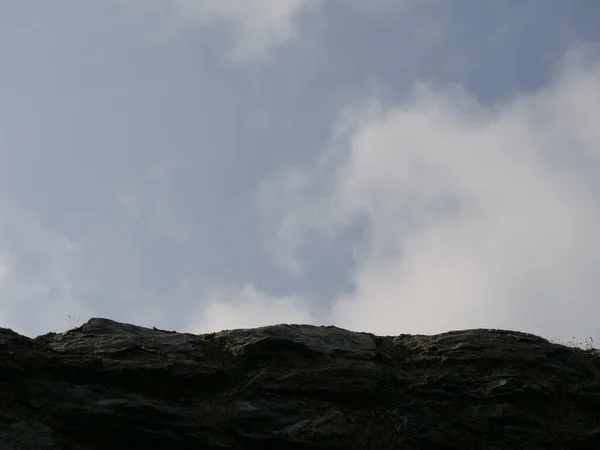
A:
<point x="110" y="385"/>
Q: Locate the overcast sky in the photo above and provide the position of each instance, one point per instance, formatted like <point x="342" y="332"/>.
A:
<point x="390" y="166"/>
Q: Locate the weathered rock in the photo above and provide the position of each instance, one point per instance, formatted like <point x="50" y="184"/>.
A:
<point x="108" y="385"/>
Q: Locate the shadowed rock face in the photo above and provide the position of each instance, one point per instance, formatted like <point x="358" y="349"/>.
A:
<point x="109" y="385"/>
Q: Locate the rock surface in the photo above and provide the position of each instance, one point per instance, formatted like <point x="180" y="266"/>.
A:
<point x="109" y="385"/>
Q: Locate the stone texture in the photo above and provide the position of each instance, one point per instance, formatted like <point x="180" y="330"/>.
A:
<point x="109" y="385"/>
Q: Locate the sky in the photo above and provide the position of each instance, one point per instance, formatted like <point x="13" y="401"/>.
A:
<point x="391" y="166"/>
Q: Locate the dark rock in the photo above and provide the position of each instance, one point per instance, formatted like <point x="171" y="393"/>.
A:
<point x="109" y="385"/>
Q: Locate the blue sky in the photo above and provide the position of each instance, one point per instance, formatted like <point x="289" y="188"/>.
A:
<point x="393" y="166"/>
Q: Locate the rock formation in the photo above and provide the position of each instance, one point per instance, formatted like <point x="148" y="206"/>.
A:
<point x="109" y="385"/>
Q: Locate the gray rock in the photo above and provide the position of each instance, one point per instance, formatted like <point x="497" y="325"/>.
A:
<point x="109" y="385"/>
<point x="331" y="341"/>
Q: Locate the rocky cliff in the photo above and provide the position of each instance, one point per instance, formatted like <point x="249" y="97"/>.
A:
<point x="110" y="385"/>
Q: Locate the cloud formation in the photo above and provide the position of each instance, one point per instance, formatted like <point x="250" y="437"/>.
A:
<point x="258" y="26"/>
<point x="127" y="168"/>
<point x="476" y="216"/>
<point x="247" y="307"/>
<point x="42" y="273"/>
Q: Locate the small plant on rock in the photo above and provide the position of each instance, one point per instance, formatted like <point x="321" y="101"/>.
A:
<point x="72" y="322"/>
<point x="586" y="344"/>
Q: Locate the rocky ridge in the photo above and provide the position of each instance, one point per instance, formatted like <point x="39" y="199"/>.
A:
<point x="107" y="385"/>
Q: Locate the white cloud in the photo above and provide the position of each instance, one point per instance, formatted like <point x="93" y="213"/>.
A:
<point x="478" y="216"/>
<point x="257" y="25"/>
<point x="42" y="274"/>
<point x="247" y="308"/>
